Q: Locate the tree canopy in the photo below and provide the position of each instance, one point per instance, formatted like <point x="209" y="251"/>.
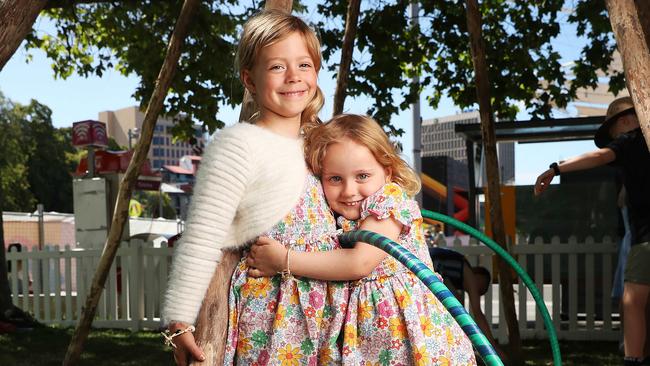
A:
<point x="524" y="66"/>
<point x="523" y="63"/>
<point x="36" y="159"/>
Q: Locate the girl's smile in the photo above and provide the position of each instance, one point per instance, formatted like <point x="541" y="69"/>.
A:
<point x="350" y="174"/>
<point x="283" y="82"/>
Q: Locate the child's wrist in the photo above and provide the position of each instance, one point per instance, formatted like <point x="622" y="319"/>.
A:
<point x="286" y="270"/>
<point x="282" y="263"/>
<point x="174" y="326"/>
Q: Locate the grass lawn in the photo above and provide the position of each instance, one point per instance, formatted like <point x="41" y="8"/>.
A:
<point x="47" y="345"/>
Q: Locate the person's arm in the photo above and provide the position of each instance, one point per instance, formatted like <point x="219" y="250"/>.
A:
<point x="267" y="256"/>
<point x="186" y="348"/>
<point x="471" y="287"/>
<point x="585" y="161"/>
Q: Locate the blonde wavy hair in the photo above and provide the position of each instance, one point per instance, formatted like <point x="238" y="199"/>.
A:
<point x="366" y="132"/>
<point x="267" y="28"/>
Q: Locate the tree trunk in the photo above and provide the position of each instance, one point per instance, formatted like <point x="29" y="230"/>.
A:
<point x="492" y="168"/>
<point x="248" y="106"/>
<point x="6" y="304"/>
<point x="643" y="8"/>
<point x="16" y="20"/>
<point x="121" y="213"/>
<point x="8" y="311"/>
<point x="633" y="47"/>
<point x="347" y="50"/>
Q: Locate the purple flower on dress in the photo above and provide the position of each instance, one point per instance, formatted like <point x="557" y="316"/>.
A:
<point x="316" y="299"/>
<point x="295" y="334"/>
<point x="385" y="309"/>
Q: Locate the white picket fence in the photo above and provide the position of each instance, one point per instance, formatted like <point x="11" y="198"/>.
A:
<point x="131" y="297"/>
<point x="574" y="278"/>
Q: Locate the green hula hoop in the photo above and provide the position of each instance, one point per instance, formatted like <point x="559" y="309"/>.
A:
<point x="548" y="323"/>
<point x="426" y="275"/>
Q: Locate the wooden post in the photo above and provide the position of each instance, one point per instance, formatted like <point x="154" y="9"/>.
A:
<point x="248" y="106"/>
<point x="347" y="50"/>
<point x="16" y="20"/>
<point x="121" y="213"/>
<point x="632" y="45"/>
<point x="492" y="170"/>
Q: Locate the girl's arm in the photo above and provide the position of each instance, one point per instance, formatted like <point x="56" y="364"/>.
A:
<point x="267" y="256"/>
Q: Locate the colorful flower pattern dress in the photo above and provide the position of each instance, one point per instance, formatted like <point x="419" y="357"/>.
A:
<point x="392" y="318"/>
<point x="293" y="321"/>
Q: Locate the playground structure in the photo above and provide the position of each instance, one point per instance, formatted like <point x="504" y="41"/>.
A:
<point x="96" y="185"/>
<point x="438" y="190"/>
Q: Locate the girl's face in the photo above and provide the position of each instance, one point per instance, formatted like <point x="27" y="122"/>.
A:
<point x="283" y="80"/>
<point x="350" y="174"/>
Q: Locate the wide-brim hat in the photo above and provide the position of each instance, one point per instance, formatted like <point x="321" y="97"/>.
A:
<point x="617" y="108"/>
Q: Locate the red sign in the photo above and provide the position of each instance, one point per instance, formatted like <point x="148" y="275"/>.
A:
<point x="89" y="133"/>
<point x="107" y="162"/>
<point x="147" y="185"/>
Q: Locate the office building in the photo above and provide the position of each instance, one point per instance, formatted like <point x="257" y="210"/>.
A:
<point x="439" y="139"/>
<point x="124" y="125"/>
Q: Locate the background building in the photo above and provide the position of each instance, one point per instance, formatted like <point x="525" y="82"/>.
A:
<point x="439" y="139"/>
<point x="178" y="182"/>
<point x="124" y="125"/>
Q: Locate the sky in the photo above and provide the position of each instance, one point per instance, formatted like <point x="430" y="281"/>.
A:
<point x="77" y="98"/>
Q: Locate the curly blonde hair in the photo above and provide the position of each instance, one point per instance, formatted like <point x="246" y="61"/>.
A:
<point x="366" y="132"/>
<point x="269" y="27"/>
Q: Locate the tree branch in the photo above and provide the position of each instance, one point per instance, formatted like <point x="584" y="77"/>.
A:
<point x="127" y="184"/>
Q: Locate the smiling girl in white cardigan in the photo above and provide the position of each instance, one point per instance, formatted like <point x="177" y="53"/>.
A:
<point x="253" y="181"/>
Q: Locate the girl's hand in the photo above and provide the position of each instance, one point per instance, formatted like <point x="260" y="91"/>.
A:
<point x="186" y="347"/>
<point x="266" y="258"/>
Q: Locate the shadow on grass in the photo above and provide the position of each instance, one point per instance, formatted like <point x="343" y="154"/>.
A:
<point x="47" y="346"/>
<point x="574" y="353"/>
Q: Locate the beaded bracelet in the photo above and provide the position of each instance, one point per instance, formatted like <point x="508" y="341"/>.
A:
<point x="169" y="336"/>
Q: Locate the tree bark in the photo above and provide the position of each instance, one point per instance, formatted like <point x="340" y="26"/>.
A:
<point x="492" y="170"/>
<point x="8" y="311"/>
<point x="347" y="50"/>
<point x="633" y="47"/>
<point x="6" y="305"/>
<point x="121" y="213"/>
<point x="17" y="18"/>
<point x="249" y="107"/>
<point x="643" y="8"/>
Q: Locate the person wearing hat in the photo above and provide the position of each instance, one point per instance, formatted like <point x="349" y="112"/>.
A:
<point x="621" y="144"/>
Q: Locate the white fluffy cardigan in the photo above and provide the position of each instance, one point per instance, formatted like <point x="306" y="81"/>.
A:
<point x="249" y="179"/>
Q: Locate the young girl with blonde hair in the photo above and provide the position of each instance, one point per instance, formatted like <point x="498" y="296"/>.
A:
<point x="253" y="181"/>
<point x="392" y="318"/>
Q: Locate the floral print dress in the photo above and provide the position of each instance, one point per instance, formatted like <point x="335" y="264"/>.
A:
<point x="392" y="318"/>
<point x="292" y="321"/>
